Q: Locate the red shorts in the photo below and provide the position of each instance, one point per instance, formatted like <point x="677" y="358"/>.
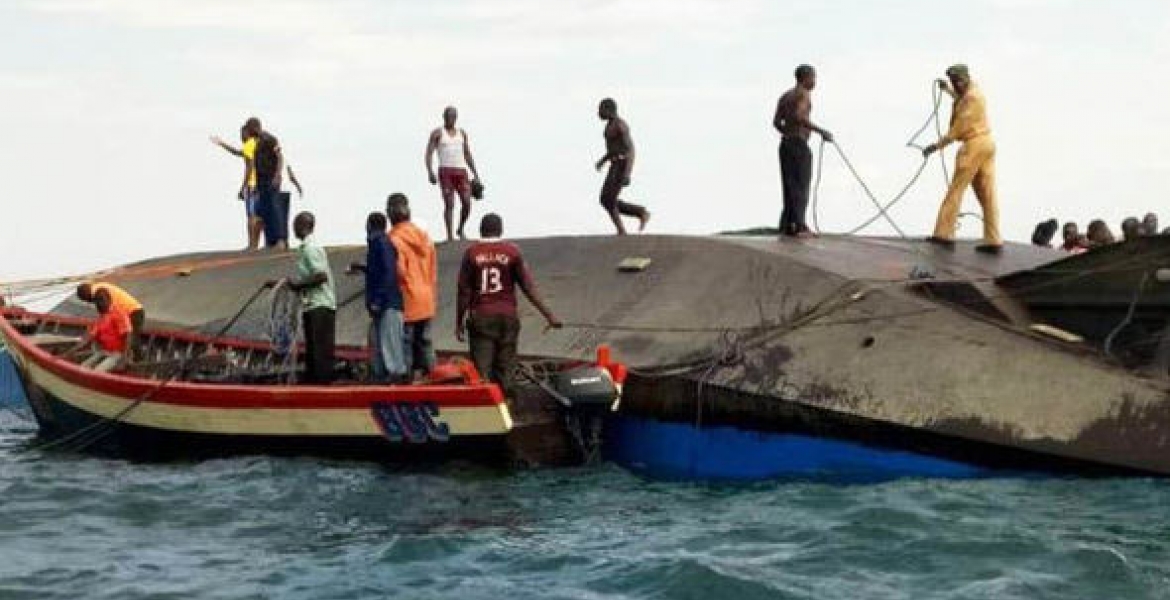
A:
<point x="454" y="179"/>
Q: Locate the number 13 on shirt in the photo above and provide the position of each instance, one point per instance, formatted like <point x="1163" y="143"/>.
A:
<point x="489" y="280"/>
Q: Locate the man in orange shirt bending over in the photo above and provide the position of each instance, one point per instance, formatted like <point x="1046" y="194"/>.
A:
<point x="120" y="302"/>
<point x="109" y="335"/>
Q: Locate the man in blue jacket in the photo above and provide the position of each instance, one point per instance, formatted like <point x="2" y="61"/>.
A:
<point x="384" y="303"/>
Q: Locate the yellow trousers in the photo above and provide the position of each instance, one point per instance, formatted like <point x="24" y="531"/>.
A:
<point x="974" y="166"/>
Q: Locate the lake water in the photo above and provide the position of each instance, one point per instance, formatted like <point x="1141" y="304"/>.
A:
<point x="73" y="526"/>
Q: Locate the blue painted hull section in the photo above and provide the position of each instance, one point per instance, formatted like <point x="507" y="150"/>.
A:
<point x="11" y="390"/>
<point x="679" y="451"/>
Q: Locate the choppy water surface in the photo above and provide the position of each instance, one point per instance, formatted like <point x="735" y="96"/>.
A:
<point x="76" y="527"/>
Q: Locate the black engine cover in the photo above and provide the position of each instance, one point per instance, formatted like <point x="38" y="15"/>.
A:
<point x="587" y="386"/>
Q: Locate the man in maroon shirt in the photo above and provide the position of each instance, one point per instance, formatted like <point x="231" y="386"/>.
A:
<point x="491" y="271"/>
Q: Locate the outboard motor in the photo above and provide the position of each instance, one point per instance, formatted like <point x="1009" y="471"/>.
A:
<point x="587" y="394"/>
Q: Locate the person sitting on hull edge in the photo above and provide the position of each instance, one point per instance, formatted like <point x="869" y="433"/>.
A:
<point x="120" y="302"/>
<point x="1074" y="242"/>
<point x="974" y="165"/>
<point x="1099" y="234"/>
<point x="1150" y="224"/>
<point x="1131" y="228"/>
<point x="383" y="303"/>
<point x="486" y="310"/>
<point x="314" y="282"/>
<point x="1044" y="232"/>
<point x="109" y="335"/>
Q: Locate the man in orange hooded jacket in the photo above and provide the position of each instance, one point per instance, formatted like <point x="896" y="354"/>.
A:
<point x="418" y="278"/>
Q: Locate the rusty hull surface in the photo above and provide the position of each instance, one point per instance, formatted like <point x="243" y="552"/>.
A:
<point x="824" y="336"/>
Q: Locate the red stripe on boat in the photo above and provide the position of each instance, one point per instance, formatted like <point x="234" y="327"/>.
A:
<point x="237" y="395"/>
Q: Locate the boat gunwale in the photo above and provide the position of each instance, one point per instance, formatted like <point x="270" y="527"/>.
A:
<point x="231" y="396"/>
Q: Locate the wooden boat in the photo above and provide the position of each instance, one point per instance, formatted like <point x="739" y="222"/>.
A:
<point x="193" y="396"/>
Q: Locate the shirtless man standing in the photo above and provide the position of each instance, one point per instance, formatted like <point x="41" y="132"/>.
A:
<point x="792" y="121"/>
<point x="619" y="153"/>
<point x="455" y="159"/>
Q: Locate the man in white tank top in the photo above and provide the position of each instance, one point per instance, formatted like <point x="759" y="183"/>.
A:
<point x="455" y="159"/>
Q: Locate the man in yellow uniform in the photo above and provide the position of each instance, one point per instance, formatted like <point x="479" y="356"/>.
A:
<point x="974" y="165"/>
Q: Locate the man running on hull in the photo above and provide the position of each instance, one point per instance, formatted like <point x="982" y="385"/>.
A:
<point x="974" y="165"/>
<point x="269" y="164"/>
<point x="793" y="112"/>
<point x="247" y="193"/>
<point x="486" y="309"/>
<point x="619" y="153"/>
<point x="450" y="142"/>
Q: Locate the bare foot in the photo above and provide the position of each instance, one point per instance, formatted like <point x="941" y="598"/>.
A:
<point x="805" y="234"/>
<point x="643" y="220"/>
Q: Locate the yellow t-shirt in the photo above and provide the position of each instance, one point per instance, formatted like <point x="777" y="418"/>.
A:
<point x="120" y="300"/>
<point x="249" y="152"/>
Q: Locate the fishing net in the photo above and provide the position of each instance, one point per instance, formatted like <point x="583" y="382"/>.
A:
<point x="284" y="329"/>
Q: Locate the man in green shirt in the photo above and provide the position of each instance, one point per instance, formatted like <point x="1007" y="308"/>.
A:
<point x="314" y="282"/>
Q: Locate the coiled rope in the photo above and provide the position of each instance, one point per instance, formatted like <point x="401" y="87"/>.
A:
<point x="883" y="208"/>
<point x="284" y="329"/>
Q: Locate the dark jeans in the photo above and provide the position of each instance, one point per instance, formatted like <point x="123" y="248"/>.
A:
<point x="419" y="352"/>
<point x="492" y="343"/>
<point x="795" y="175"/>
<point x="320" y="335"/>
<point x="272" y="208"/>
<point x="612" y="188"/>
<point x="137" y="322"/>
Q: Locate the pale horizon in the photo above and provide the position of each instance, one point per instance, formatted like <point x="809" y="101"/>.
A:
<point x="109" y="104"/>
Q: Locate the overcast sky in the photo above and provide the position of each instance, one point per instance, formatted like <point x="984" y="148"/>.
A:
<point x="107" y="105"/>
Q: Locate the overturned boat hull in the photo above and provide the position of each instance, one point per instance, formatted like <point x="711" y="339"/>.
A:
<point x="886" y="344"/>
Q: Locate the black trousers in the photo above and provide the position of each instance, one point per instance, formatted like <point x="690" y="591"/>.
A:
<point x="320" y="336"/>
<point x="492" y="341"/>
<point x="612" y="188"/>
<point x="796" y="176"/>
<point x="137" y="323"/>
